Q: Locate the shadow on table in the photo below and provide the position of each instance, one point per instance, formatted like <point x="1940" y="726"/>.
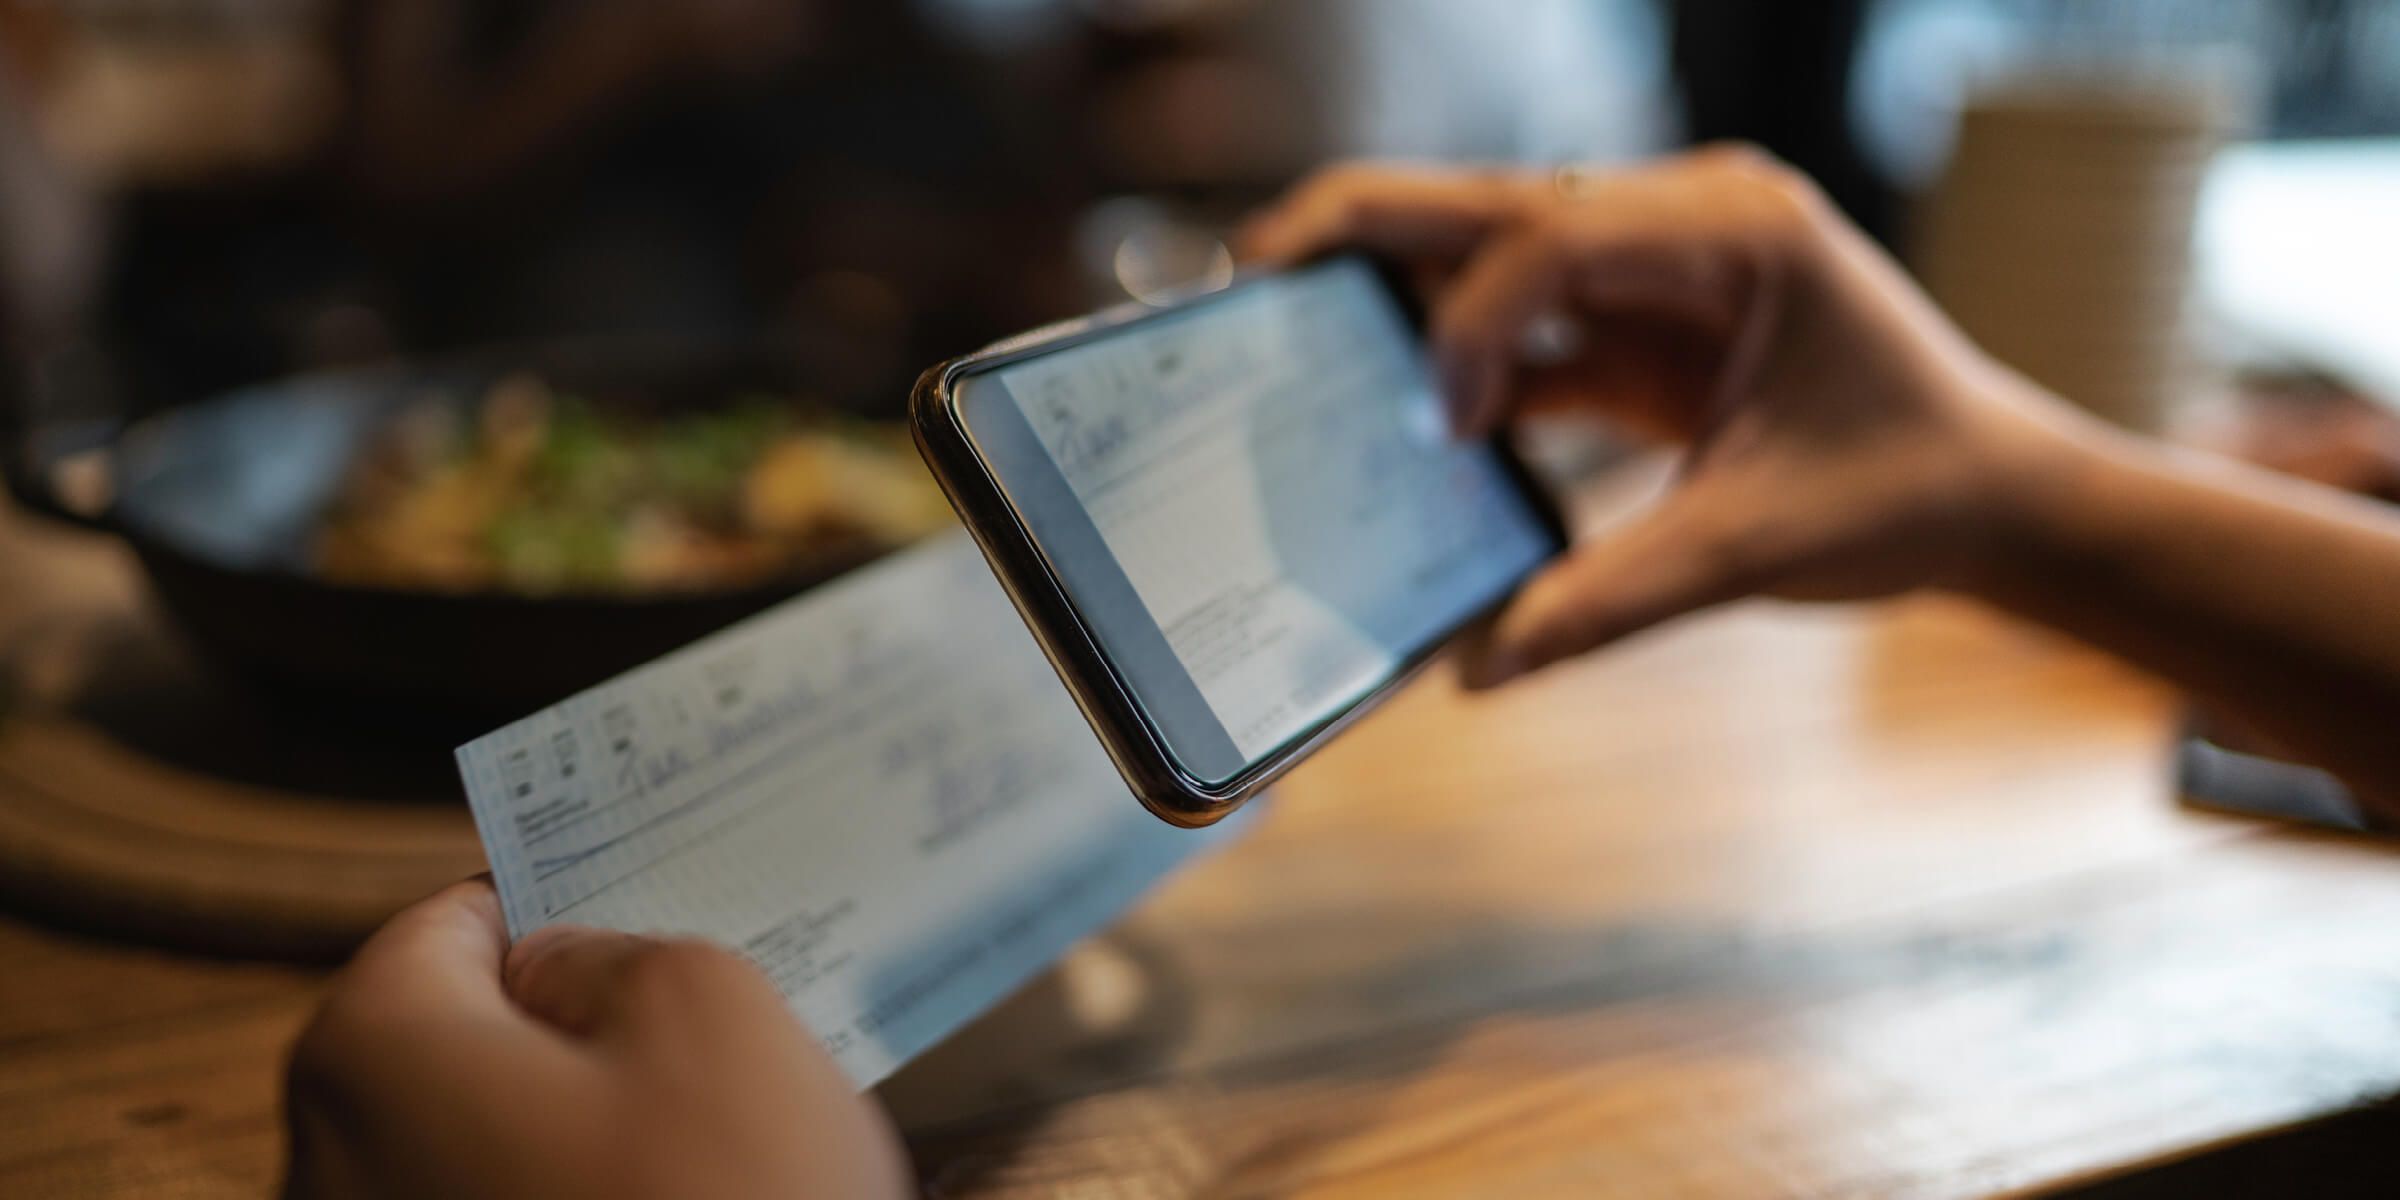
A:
<point x="2344" y="1157"/>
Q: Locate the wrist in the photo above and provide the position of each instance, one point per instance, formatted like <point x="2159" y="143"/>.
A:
<point x="2051" y="476"/>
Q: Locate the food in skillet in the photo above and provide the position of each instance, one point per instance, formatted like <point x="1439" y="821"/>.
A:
<point x="537" y="491"/>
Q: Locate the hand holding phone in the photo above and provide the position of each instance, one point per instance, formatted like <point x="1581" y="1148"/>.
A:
<point x="1844" y="441"/>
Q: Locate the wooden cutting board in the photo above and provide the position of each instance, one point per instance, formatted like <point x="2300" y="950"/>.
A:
<point x="145" y="795"/>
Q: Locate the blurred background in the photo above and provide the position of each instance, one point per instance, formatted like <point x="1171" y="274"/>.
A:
<point x="196" y="194"/>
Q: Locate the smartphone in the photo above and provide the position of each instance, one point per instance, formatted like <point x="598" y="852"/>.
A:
<point x="1234" y="522"/>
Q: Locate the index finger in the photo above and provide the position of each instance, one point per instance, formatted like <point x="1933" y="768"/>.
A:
<point x="1397" y="212"/>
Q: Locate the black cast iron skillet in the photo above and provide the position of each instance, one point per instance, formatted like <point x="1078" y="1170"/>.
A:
<point x="220" y="501"/>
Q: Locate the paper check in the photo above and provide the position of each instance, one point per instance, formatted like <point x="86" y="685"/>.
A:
<point x="879" y="792"/>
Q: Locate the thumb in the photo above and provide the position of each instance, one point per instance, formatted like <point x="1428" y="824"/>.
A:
<point x="589" y="982"/>
<point x="572" y="976"/>
<point x="1688" y="553"/>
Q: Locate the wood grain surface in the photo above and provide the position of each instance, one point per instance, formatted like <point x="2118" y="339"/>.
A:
<point x="1776" y="903"/>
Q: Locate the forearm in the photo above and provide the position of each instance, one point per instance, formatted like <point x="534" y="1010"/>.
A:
<point x="2275" y="602"/>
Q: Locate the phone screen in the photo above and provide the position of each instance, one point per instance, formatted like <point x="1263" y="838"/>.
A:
<point x="1254" y="505"/>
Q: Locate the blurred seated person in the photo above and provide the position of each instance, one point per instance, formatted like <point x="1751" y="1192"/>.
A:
<point x="1844" y="441"/>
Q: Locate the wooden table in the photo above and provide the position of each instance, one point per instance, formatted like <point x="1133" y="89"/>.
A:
<point x="1879" y="902"/>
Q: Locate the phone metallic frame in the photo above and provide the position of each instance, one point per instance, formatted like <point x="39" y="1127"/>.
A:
<point x="1107" y="699"/>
